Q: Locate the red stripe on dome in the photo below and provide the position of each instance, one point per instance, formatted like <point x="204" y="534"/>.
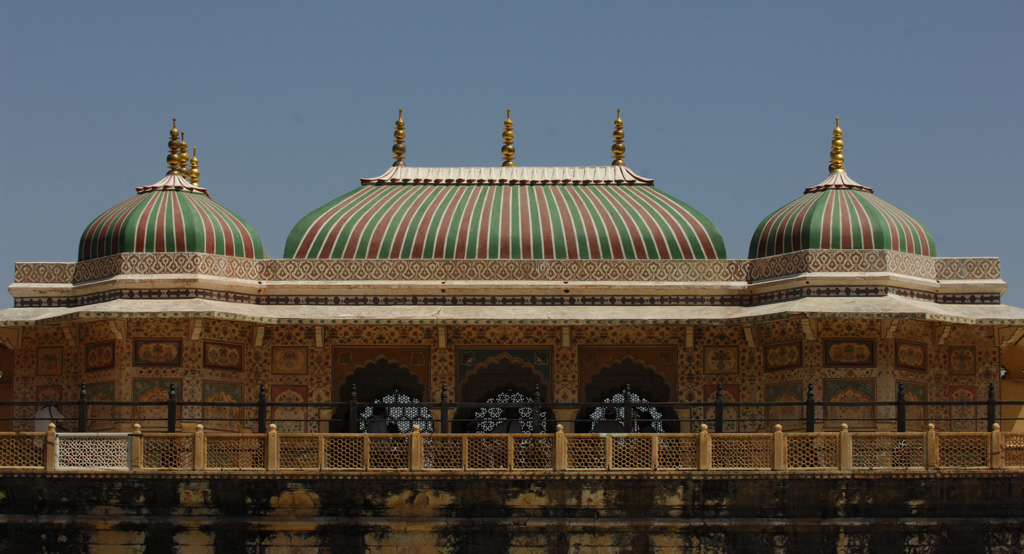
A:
<point x="525" y="223"/>
<point x="303" y="250"/>
<point x="445" y="223"/>
<point x="403" y="226"/>
<point x="866" y="228"/>
<point x="424" y="226"/>
<point x="644" y="209"/>
<point x="180" y="244"/>
<point x="462" y="239"/>
<point x="141" y="227"/>
<point x="547" y="230"/>
<point x="377" y="237"/>
<point x="845" y="223"/>
<point x="358" y="223"/>
<point x="639" y="248"/>
<point x="593" y="241"/>
<point x="568" y="225"/>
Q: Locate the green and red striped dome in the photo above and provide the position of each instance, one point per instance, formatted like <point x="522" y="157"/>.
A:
<point x="171" y="215"/>
<point x="840" y="214"/>
<point x="605" y="212"/>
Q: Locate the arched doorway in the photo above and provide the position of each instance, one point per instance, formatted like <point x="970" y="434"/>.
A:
<point x="500" y="379"/>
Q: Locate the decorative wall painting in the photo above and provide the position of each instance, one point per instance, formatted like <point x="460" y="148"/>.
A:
<point x="223" y="355"/>
<point x="911" y="355"/>
<point x="962" y="360"/>
<point x="783" y="355"/>
<point x="719" y="360"/>
<point x="223" y="418"/>
<point x="289" y="419"/>
<point x="101" y="416"/>
<point x="790" y="417"/>
<point x="49" y="360"/>
<point x="849" y="352"/>
<point x="850" y="390"/>
<point x="99" y="356"/>
<point x="157" y="352"/>
<point x="289" y="360"/>
<point x="153" y="390"/>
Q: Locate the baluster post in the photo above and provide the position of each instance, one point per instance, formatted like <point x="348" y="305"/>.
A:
<point x="995" y="448"/>
<point x="845" y="448"/>
<point x="779" y="447"/>
<point x="273" y="453"/>
<point x="416" y="449"/>
<point x="704" y="448"/>
<point x="199" y="449"/>
<point x="561" y="454"/>
<point x="931" y="448"/>
<point x="135" y="448"/>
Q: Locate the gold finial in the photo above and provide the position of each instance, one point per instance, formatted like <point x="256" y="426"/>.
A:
<point x="399" y="147"/>
<point x="836" y="157"/>
<point x="183" y="155"/>
<point x="618" y="148"/>
<point x="172" y="146"/>
<point x="508" y="151"/>
<point x="194" y="174"/>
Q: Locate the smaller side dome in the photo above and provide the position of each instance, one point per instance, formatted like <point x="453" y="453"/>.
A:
<point x="172" y="215"/>
<point x="840" y="214"/>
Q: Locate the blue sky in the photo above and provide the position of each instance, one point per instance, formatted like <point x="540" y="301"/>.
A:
<point x="728" y="106"/>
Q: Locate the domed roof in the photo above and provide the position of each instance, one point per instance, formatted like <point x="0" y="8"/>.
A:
<point x="172" y="215"/>
<point x="602" y="212"/>
<point x="840" y="213"/>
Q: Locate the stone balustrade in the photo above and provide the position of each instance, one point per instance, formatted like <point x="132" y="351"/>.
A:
<point x="841" y="450"/>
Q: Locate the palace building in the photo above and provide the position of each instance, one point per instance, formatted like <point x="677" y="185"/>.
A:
<point x="494" y="282"/>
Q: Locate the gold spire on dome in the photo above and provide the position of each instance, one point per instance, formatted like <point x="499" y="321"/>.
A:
<point x="172" y="147"/>
<point x="183" y="155"/>
<point x="618" y="148"/>
<point x="508" y="151"/>
<point x="399" y="148"/>
<point x="836" y="157"/>
<point x="194" y="173"/>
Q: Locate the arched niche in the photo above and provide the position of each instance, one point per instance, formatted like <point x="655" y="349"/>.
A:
<point x="380" y="377"/>
<point x="501" y="375"/>
<point x="611" y="380"/>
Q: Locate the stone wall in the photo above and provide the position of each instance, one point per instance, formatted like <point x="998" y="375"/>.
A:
<point x="705" y="512"/>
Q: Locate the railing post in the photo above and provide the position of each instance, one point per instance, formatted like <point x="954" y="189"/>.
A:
<point x="931" y="448"/>
<point x="704" y="448"/>
<point x="535" y="410"/>
<point x="901" y="410"/>
<point x="609" y="451"/>
<point x="627" y="408"/>
<point x="50" y="452"/>
<point x="261" y="410"/>
<point x="83" y="408"/>
<point x="353" y="411"/>
<point x="273" y="453"/>
<point x="654" y="452"/>
<point x="416" y="449"/>
<point x="845" y="448"/>
<point x="809" y="409"/>
<point x="995" y="448"/>
<point x="135" y="448"/>
<point x="561" y="454"/>
<point x="199" y="449"/>
<point x="778" y="449"/>
<point x="990" y="406"/>
<point x="444" y="409"/>
<point x="719" y="410"/>
<point x="172" y="409"/>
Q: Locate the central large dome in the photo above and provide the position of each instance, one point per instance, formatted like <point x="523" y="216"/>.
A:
<point x="586" y="213"/>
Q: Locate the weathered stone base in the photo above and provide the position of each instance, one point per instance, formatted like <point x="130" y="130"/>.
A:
<point x="401" y="512"/>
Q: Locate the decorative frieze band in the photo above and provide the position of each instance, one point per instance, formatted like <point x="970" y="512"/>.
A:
<point x="794" y="263"/>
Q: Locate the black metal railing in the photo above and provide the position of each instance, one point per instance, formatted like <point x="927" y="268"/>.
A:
<point x="447" y="416"/>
